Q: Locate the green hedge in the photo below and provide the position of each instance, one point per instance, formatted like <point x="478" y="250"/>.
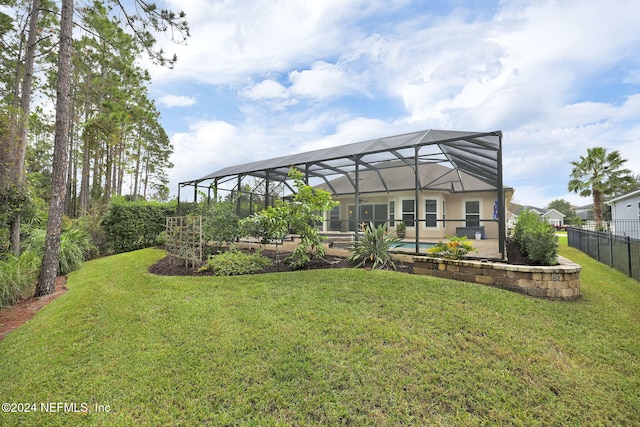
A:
<point x="129" y="226"/>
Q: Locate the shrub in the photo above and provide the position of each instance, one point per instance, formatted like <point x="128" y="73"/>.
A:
<point x="75" y="247"/>
<point x="542" y="245"/>
<point x="91" y="225"/>
<point x="235" y="262"/>
<point x="536" y="239"/>
<point x="18" y="276"/>
<point x="219" y="223"/>
<point x="455" y="248"/>
<point x="129" y="226"/>
<point x="527" y="220"/>
<point x="373" y="248"/>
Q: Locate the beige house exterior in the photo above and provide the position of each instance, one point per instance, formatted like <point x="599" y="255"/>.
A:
<point x="461" y="206"/>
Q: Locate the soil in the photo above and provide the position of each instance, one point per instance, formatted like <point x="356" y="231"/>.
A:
<point x="514" y="256"/>
<point x="13" y="317"/>
<point x="164" y="266"/>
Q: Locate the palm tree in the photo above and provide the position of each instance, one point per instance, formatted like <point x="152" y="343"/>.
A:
<point x="599" y="174"/>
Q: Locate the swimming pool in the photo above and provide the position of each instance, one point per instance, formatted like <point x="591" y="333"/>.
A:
<point x="412" y="245"/>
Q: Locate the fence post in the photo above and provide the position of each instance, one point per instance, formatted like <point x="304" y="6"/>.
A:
<point x="610" y="248"/>
<point x="628" y="240"/>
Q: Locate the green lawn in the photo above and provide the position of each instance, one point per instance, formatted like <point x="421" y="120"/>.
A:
<point x="333" y="347"/>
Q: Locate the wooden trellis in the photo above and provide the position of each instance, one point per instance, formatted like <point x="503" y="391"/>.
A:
<point x="184" y="240"/>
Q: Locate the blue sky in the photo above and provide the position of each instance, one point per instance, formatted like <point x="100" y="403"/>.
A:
<point x="260" y="79"/>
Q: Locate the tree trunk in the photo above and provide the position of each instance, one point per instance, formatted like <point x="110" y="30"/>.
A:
<point x="597" y="208"/>
<point x="107" y="174"/>
<point x="146" y="176"/>
<point x="84" y="180"/>
<point x="23" y="119"/>
<point x="137" y="171"/>
<point x="120" y="173"/>
<point x="49" y="269"/>
<point x="70" y="182"/>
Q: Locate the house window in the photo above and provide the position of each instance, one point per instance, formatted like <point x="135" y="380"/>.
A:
<point x="472" y="213"/>
<point x="409" y="212"/>
<point x="334" y="219"/>
<point x="431" y="213"/>
<point x="392" y="213"/>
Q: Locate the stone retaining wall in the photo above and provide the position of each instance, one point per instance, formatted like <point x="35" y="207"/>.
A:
<point x="555" y="282"/>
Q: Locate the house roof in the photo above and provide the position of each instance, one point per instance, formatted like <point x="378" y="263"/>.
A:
<point x="624" y="197"/>
<point x="539" y="211"/>
<point x="550" y="211"/>
<point x="394" y="177"/>
<point x="467" y="155"/>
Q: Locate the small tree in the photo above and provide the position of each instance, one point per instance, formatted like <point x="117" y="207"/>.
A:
<point x="219" y="223"/>
<point x="599" y="174"/>
<point x="298" y="216"/>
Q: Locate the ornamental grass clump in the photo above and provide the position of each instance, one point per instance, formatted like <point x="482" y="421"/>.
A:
<point x="18" y="275"/>
<point x="373" y="248"/>
<point x="455" y="248"/>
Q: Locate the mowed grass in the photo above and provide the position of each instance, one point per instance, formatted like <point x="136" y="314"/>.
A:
<point x="333" y="347"/>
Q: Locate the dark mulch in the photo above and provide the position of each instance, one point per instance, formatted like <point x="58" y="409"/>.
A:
<point x="164" y="267"/>
<point x="514" y="256"/>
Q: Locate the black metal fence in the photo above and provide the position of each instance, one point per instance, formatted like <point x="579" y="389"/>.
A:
<point x="619" y="227"/>
<point x="619" y="252"/>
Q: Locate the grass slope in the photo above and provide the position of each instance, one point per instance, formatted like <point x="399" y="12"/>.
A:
<point x="345" y="347"/>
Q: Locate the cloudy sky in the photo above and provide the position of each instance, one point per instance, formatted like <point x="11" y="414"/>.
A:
<point x="264" y="78"/>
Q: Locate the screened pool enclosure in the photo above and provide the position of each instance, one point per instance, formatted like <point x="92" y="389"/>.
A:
<point x="436" y="183"/>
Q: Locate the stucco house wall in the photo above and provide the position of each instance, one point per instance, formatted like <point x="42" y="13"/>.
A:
<point x="440" y="213"/>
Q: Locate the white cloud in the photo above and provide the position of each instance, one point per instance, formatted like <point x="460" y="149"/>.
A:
<point x="198" y="152"/>
<point x="176" y="101"/>
<point x="324" y="80"/>
<point x="267" y="89"/>
<point x="233" y="40"/>
<point x="527" y="70"/>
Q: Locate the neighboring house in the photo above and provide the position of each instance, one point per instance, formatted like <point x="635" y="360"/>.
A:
<point x="444" y="210"/>
<point x="554" y="217"/>
<point x="585" y="213"/>
<point x="551" y="216"/>
<point x="625" y="215"/>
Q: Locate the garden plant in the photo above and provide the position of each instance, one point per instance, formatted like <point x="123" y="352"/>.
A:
<point x="455" y="248"/>
<point x="298" y="216"/>
<point x="536" y="238"/>
<point x="372" y="249"/>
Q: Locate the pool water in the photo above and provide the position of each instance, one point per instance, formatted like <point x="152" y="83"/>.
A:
<point x="412" y="245"/>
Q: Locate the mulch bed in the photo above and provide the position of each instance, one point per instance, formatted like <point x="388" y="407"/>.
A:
<point x="165" y="268"/>
<point x="514" y="256"/>
<point x="13" y="317"/>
